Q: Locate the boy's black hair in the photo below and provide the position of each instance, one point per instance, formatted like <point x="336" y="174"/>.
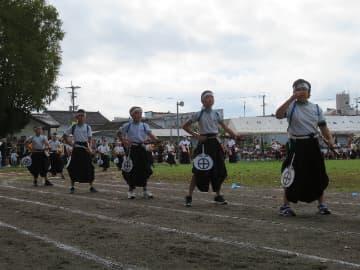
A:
<point x="80" y="111"/>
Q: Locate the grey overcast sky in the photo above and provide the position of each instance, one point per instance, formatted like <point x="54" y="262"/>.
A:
<point x="154" y="53"/>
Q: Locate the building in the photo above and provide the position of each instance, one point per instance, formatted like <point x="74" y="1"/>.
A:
<point x="48" y="123"/>
<point x="59" y="121"/>
<point x="343" y="106"/>
<point x="66" y="118"/>
<point x="271" y="128"/>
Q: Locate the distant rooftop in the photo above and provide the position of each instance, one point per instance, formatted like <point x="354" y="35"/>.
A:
<point x="67" y="117"/>
<point x="45" y="119"/>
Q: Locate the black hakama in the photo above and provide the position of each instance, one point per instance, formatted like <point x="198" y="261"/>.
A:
<point x="232" y="155"/>
<point x="184" y="157"/>
<point x="106" y="161"/>
<point x="57" y="164"/>
<point x="120" y="159"/>
<point x="171" y="159"/>
<point x="81" y="168"/>
<point x="160" y="157"/>
<point x="310" y="175"/>
<point x="141" y="170"/>
<point x="39" y="164"/>
<point x="218" y="173"/>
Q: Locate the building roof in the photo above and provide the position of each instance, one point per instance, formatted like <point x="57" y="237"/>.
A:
<point x="45" y="119"/>
<point x="67" y="117"/>
<point x="271" y="125"/>
<point x="166" y="132"/>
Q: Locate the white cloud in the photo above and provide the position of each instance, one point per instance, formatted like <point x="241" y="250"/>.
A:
<point x="144" y="52"/>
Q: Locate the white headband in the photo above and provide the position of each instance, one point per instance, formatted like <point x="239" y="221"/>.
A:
<point x="135" y="109"/>
<point x="302" y="85"/>
<point x="206" y="94"/>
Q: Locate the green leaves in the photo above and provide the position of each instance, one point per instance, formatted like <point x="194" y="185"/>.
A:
<point x="30" y="58"/>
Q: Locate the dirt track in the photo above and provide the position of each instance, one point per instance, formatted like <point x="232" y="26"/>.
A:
<point x="47" y="228"/>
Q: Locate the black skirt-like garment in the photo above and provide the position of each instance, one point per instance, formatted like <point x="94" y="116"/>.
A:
<point x="184" y="157"/>
<point x="121" y="159"/>
<point x="39" y="164"/>
<point x="310" y="174"/>
<point x="171" y="159"/>
<point x="232" y="157"/>
<point x="218" y="173"/>
<point x="106" y="161"/>
<point x="81" y="168"/>
<point x="56" y="162"/>
<point x="141" y="170"/>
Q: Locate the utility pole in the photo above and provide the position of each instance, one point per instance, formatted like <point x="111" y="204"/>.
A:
<point x="73" y="95"/>
<point x="262" y="137"/>
<point x="357" y="101"/>
<point x="244" y="107"/>
<point x="263" y="104"/>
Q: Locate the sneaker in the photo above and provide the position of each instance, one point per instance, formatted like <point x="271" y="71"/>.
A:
<point x="93" y="190"/>
<point x="147" y="194"/>
<point x="35" y="183"/>
<point x="219" y="199"/>
<point x="72" y="190"/>
<point x="323" y="210"/>
<point x="286" y="211"/>
<point x="48" y="183"/>
<point x="131" y="195"/>
<point x="188" y="201"/>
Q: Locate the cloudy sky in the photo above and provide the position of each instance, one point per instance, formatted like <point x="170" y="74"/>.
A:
<point x="155" y="53"/>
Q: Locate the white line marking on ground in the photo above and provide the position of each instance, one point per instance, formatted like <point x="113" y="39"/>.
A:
<point x="216" y="239"/>
<point x="71" y="249"/>
<point x="239" y="194"/>
<point x="272" y="208"/>
<point x="154" y="185"/>
<point x="194" y="212"/>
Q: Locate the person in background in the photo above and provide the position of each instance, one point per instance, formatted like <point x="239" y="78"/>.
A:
<point x="134" y="135"/>
<point x="40" y="161"/>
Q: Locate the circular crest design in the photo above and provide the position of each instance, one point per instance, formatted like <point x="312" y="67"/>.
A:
<point x="287" y="177"/>
<point x="203" y="162"/>
<point x="26" y="161"/>
<point x="127" y="165"/>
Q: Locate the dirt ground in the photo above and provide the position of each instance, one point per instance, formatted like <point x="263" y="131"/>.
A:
<point x="48" y="228"/>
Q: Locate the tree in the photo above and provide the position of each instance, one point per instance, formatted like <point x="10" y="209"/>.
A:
<point x="30" y="57"/>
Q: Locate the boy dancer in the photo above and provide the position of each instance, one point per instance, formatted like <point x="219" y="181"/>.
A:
<point x="80" y="168"/>
<point x="104" y="151"/>
<point x="184" y="149"/>
<point x="208" y="137"/>
<point x="119" y="152"/>
<point x="40" y="162"/>
<point x="57" y="164"/>
<point x="304" y="119"/>
<point x="133" y="136"/>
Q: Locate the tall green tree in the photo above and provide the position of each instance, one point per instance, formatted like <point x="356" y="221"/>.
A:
<point x="30" y="58"/>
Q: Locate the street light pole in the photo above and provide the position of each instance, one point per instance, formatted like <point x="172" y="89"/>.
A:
<point x="178" y="103"/>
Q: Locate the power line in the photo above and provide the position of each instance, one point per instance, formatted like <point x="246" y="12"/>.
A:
<point x="73" y="96"/>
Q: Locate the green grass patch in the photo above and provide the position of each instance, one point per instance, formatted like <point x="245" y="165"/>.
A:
<point x="344" y="174"/>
